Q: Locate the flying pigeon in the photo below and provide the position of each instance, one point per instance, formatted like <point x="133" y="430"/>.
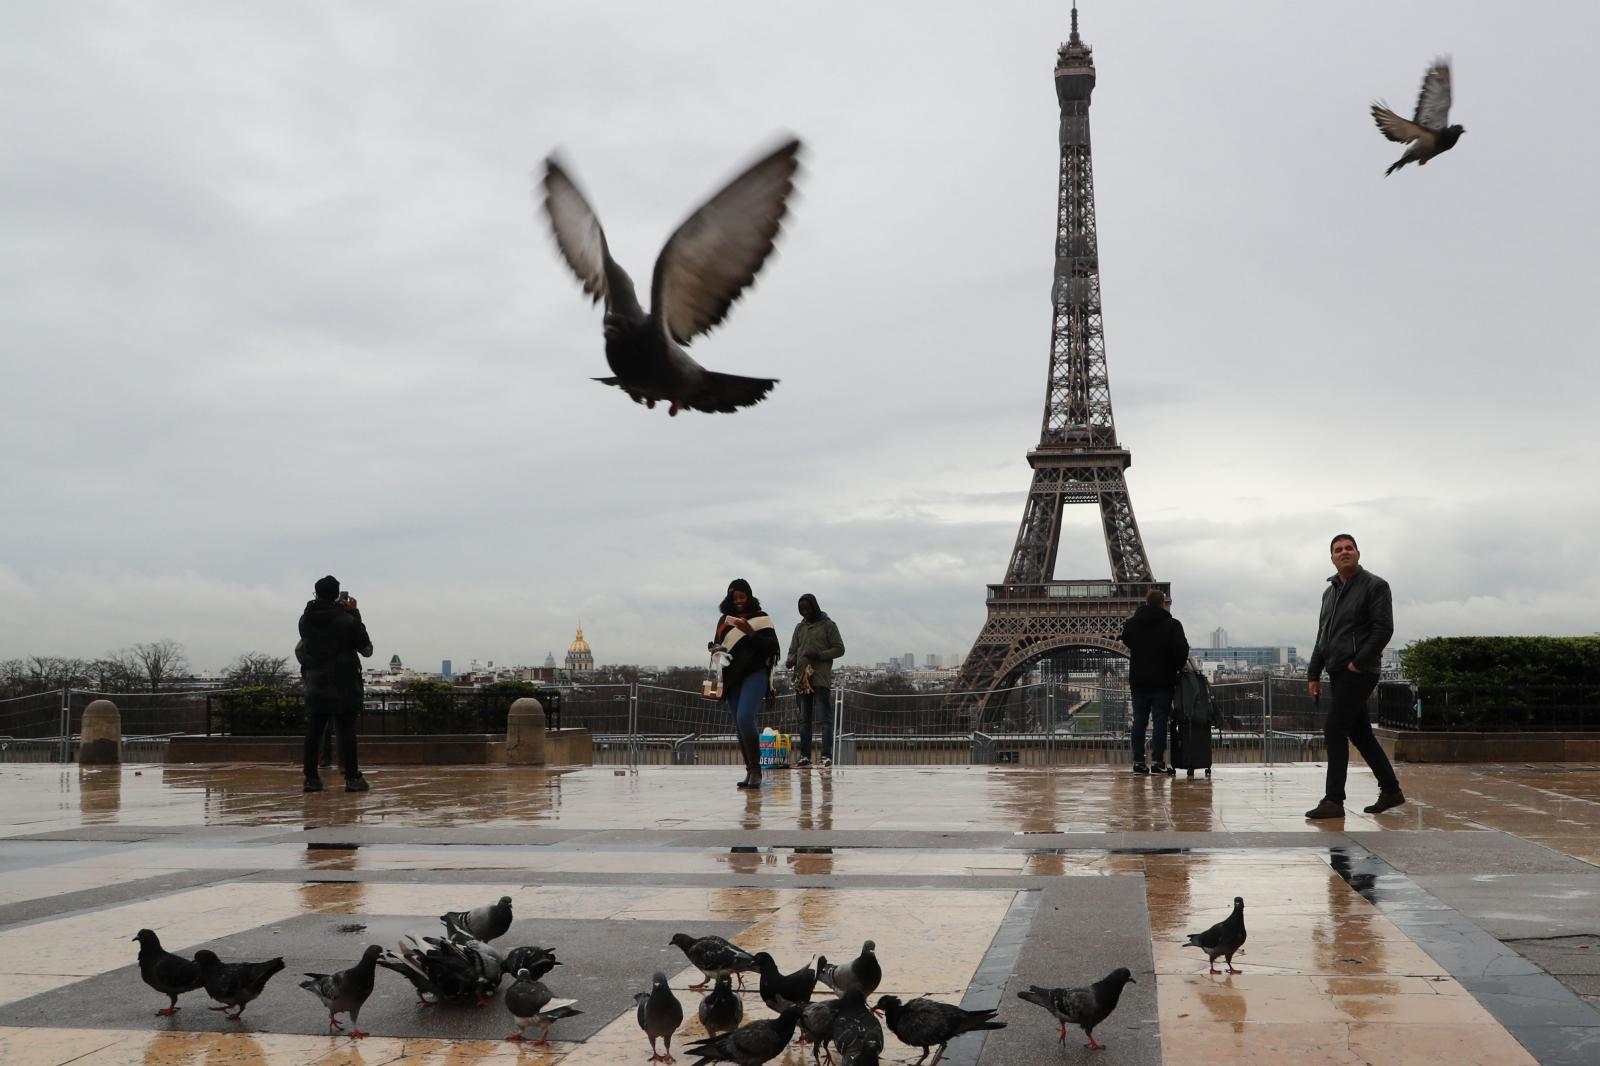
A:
<point x="530" y="1003"/>
<point x="1225" y="938"/>
<point x="923" y="1022"/>
<point x="484" y="923"/>
<point x="712" y="955"/>
<point x="781" y="991"/>
<point x="704" y="266"/>
<point x="749" y="1045"/>
<point x="861" y="972"/>
<point x="660" y="1014"/>
<point x="1427" y="132"/>
<point x="722" y="1010"/>
<point x="857" y="1036"/>
<point x="234" y="984"/>
<point x="171" y="975"/>
<point x="344" y="992"/>
<point x="1085" y="1007"/>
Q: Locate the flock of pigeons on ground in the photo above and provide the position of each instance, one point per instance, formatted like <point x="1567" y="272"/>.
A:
<point x="462" y="966"/>
<point x="717" y="252"/>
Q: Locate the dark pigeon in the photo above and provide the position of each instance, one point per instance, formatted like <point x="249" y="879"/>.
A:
<point x="1225" y="938"/>
<point x="722" y="1010"/>
<point x="484" y="923"/>
<point x="712" y="955"/>
<point x="707" y="262"/>
<point x="816" y="1024"/>
<point x="1428" y="133"/>
<point x="1084" y="1007"/>
<point x="482" y="963"/>
<point x="523" y="958"/>
<point x="857" y="1036"/>
<point x="530" y="1003"/>
<point x="924" y="1022"/>
<point x="171" y="975"/>
<point x="434" y="967"/>
<point x="780" y="991"/>
<point x="659" y="1014"/>
<point x="234" y="984"/>
<point x="344" y="992"/>
<point x="861" y="972"/>
<point x="749" y="1045"/>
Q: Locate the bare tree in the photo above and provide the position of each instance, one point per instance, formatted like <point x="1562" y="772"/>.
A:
<point x="117" y="672"/>
<point x="161" y="662"/>
<point x="46" y="672"/>
<point x="256" y="669"/>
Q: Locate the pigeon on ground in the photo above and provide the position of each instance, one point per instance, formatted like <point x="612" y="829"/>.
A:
<point x="344" y="992"/>
<point x="924" y="1022"/>
<point x="660" y="1014"/>
<point x="1428" y="132"/>
<point x="1225" y="938"/>
<point x="861" y="972"/>
<point x="1084" y="1007"/>
<point x="234" y="984"/>
<point x="523" y="958"/>
<point x="704" y="266"/>
<point x="530" y="1003"/>
<point x="816" y="1024"/>
<point x="722" y="1010"/>
<point x="857" y="1036"/>
<point x="749" y="1045"/>
<point x="483" y="961"/>
<point x="171" y="975"/>
<point x="712" y="955"/>
<point x="780" y="991"/>
<point x="484" y="923"/>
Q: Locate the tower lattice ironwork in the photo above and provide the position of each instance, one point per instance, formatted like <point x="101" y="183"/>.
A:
<point x="1079" y="459"/>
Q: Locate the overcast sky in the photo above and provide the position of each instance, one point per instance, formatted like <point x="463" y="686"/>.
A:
<point x="275" y="302"/>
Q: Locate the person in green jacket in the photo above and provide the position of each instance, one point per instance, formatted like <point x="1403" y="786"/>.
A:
<point x="814" y="647"/>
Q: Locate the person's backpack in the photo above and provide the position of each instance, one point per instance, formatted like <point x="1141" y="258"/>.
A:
<point x="1194" y="698"/>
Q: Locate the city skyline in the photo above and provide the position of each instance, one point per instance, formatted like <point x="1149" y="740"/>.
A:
<point x="278" y="304"/>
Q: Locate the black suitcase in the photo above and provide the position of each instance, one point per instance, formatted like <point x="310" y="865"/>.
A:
<point x="1190" y="724"/>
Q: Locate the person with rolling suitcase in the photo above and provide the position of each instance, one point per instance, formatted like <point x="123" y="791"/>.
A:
<point x="1191" y="722"/>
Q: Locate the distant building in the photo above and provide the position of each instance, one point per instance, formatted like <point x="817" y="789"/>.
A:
<point x="446" y="669"/>
<point x="549" y="660"/>
<point x="1260" y="657"/>
<point x="908" y="661"/>
<point x="394" y="664"/>
<point x="580" y="659"/>
<point x="934" y="662"/>
<point x="1219" y="637"/>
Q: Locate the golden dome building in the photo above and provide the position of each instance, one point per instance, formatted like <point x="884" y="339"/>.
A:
<point x="580" y="660"/>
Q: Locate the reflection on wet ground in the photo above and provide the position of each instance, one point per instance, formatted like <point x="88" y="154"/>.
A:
<point x="928" y="861"/>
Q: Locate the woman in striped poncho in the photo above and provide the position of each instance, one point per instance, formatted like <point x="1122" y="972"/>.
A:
<point x="747" y="634"/>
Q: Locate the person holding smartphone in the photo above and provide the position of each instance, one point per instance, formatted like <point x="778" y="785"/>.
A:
<point x="745" y="632"/>
<point x="332" y="635"/>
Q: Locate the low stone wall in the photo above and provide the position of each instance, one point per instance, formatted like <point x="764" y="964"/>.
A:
<point x="563" y="747"/>
<point x="1420" y="747"/>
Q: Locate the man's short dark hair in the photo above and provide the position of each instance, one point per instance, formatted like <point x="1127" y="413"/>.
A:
<point x="1344" y="536"/>
<point x="1155" y="597"/>
<point x="327" y="588"/>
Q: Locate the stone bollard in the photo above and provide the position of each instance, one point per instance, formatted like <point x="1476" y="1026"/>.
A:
<point x="525" y="733"/>
<point x="101" y="743"/>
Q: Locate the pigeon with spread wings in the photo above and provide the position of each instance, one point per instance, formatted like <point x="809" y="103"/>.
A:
<point x="1428" y="132"/>
<point x="703" y="268"/>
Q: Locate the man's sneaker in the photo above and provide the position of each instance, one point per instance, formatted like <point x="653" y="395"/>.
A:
<point x="313" y="784"/>
<point x="356" y="784"/>
<point x="1159" y="768"/>
<point x="803" y="764"/>
<point x="1140" y="768"/>
<point x="826" y="762"/>
<point x="1326" y="809"/>
<point x="1388" y="799"/>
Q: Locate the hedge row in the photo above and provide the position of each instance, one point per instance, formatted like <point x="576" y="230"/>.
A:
<point x="1503" y="661"/>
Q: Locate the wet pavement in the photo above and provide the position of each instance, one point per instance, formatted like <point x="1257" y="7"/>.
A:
<point x="1456" y="928"/>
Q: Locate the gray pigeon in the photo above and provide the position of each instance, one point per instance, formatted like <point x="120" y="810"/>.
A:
<point x="234" y="984"/>
<point x="924" y="1022"/>
<point x="530" y="1003"/>
<point x="659" y="1015"/>
<point x="171" y="975"/>
<point x="1428" y="132"/>
<point x="712" y="955"/>
<point x="749" y="1045"/>
<point x="857" y="1036"/>
<point x="707" y="262"/>
<point x="484" y="923"/>
<point x="1084" y="1007"/>
<point x="722" y="1010"/>
<point x="1225" y="938"/>
<point x="861" y="972"/>
<point x="344" y="992"/>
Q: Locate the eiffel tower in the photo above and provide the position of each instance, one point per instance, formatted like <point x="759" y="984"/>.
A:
<point x="1078" y="459"/>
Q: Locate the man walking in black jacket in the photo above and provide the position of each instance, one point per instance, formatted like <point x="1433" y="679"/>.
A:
<point x="1157" y="649"/>
<point x="331" y="636"/>
<point x="1353" y="628"/>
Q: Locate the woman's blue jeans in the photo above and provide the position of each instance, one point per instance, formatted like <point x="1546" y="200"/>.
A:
<point x="747" y="702"/>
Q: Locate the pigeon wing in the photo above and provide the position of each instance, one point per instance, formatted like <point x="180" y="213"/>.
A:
<point x="1433" y="100"/>
<point x="717" y="251"/>
<point x="583" y="243"/>
<point x="1075" y="1005"/>
<point x="1393" y="126"/>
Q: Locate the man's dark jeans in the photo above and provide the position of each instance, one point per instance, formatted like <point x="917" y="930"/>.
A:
<point x="340" y="712"/>
<point x="1146" y="700"/>
<point x="817" y="698"/>
<point x="1348" y="723"/>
